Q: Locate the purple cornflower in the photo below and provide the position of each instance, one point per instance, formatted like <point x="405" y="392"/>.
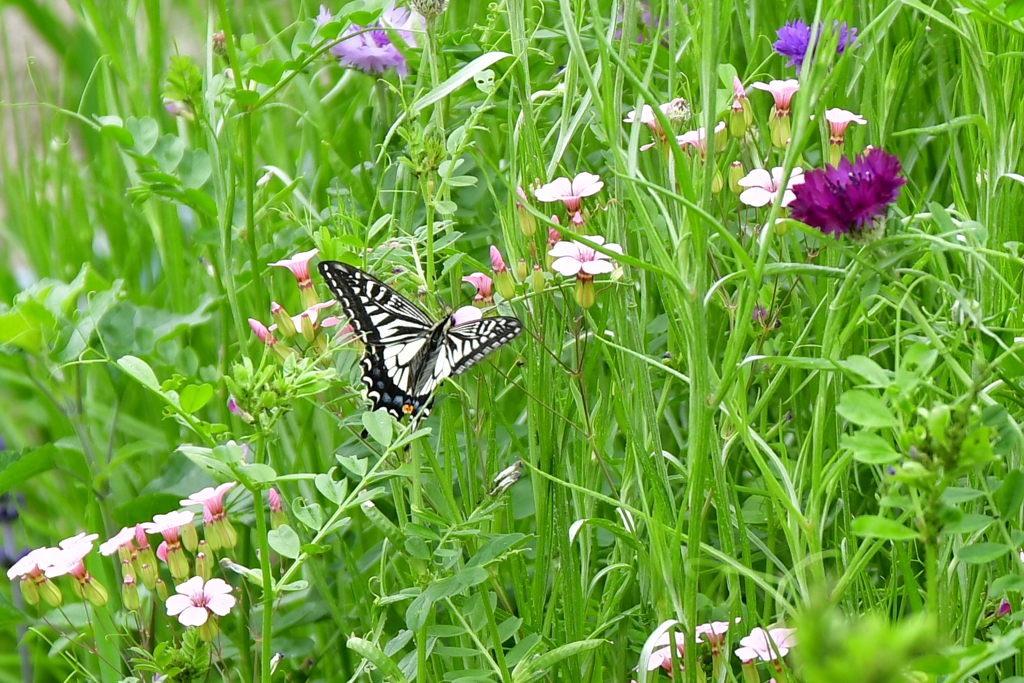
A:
<point x="371" y="51"/>
<point x="847" y="200"/>
<point x="795" y="36"/>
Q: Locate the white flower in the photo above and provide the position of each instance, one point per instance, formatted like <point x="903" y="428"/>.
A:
<point x="762" y="186"/>
<point x="576" y="258"/>
<point x="766" y="645"/>
<point x="196" y="600"/>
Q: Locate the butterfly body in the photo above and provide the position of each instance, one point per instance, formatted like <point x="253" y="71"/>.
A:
<point x="407" y="354"/>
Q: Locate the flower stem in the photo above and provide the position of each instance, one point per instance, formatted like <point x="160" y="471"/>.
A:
<point x="269" y="594"/>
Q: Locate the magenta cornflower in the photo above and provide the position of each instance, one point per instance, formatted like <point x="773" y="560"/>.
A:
<point x="795" y="36"/>
<point x="371" y="51"/>
<point x="849" y="199"/>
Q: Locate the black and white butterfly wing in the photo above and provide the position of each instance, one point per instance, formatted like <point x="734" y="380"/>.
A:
<point x="384" y="392"/>
<point x="464" y="345"/>
<point x="378" y="314"/>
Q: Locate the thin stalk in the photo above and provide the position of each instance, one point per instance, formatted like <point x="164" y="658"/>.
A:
<point x="269" y="593"/>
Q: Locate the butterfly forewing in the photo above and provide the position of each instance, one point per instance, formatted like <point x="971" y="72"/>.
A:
<point x="408" y="355"/>
<point x="378" y="314"/>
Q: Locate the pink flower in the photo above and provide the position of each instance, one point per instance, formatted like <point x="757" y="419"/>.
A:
<point x="313" y="313"/>
<point x="34" y="564"/>
<point x="484" y="287"/>
<point x="122" y="539"/>
<point x="140" y="537"/>
<point x="762" y="186"/>
<point x="161" y="552"/>
<point x="838" y="120"/>
<point x="675" y="109"/>
<point x="497" y="262"/>
<point x="275" y="500"/>
<point x="466" y="314"/>
<point x="575" y="258"/>
<point x="782" y="91"/>
<point x="212" y="500"/>
<point x="195" y="601"/>
<point x="299" y="265"/>
<point x="714" y="632"/>
<point x="570" y="192"/>
<point x="766" y="645"/>
<point x="169" y="525"/>
<point x="661" y="655"/>
<point x="698" y="138"/>
<point x="68" y="560"/>
<point x="262" y="333"/>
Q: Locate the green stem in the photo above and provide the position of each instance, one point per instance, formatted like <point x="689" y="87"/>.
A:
<point x="269" y="594"/>
<point x="249" y="182"/>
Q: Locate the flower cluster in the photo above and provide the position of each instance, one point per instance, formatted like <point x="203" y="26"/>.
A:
<point x="308" y="324"/>
<point x="760" y="645"/>
<point x="189" y="563"/>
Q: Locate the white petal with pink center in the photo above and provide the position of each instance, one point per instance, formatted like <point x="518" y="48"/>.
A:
<point x="36" y="561"/>
<point x="646" y="116"/>
<point x="172" y="520"/>
<point x="763" y="186"/>
<point x="196" y="600"/>
<point x="123" y="537"/>
<point x="298" y="264"/>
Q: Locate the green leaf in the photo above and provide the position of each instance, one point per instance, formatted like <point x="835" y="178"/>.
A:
<point x="258" y="472"/>
<point x="1009" y="582"/>
<point x="375" y="656"/>
<point x="145" y="132"/>
<point x="524" y="671"/>
<point x="16" y="468"/>
<point x="333" y="491"/>
<point x="168" y="153"/>
<point x="285" y="541"/>
<point x="864" y="409"/>
<point x="869" y="448"/>
<point x="472" y="576"/>
<point x="140" y="371"/>
<point x="456" y="80"/>
<point x="869" y="370"/>
<point x="418" y="611"/>
<point x="873" y="526"/>
<point x="268" y="73"/>
<point x="1010" y="494"/>
<point x="980" y="553"/>
<point x="959" y="494"/>
<point x="194" y="397"/>
<point x="195" y="168"/>
<point x="378" y="424"/>
<point x="969" y="523"/>
<point x="119" y="134"/>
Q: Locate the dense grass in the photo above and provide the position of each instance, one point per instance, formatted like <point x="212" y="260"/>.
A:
<point x="757" y="423"/>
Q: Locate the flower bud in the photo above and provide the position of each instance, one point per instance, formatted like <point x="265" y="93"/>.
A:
<point x="430" y="9"/>
<point x="204" y="566"/>
<point x="521" y="270"/>
<point x="537" y="280"/>
<point x="51" y="593"/>
<point x="94" y="592"/>
<point x="29" y="590"/>
<point x="736" y="174"/>
<point x="277" y="516"/>
<point x="585" y="294"/>
<point x="148" y="573"/>
<point x="717" y="182"/>
<point x="189" y="537"/>
<point x="737" y="120"/>
<point x="209" y="630"/>
<point x="177" y="562"/>
<point x="527" y="221"/>
<point x="285" y="325"/>
<point x="308" y="333"/>
<point x="779" y="125"/>
<point x="130" y="594"/>
<point x="220" y="44"/>
<point x="161" y="589"/>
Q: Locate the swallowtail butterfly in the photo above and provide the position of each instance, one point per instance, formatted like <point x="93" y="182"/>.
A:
<point x="408" y="354"/>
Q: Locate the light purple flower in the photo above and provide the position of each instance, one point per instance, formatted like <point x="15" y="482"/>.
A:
<point x="372" y="51"/>
<point x="795" y="36"/>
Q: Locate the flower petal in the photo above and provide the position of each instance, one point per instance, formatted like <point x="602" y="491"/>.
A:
<point x="586" y="184"/>
<point x="566" y="249"/>
<point x="758" y="177"/>
<point x="176" y="604"/>
<point x="193" y="616"/>
<point x="566" y="266"/>
<point x="598" y="267"/>
<point x="221" y="604"/>
<point x="555" y="191"/>
<point x="756" y="196"/>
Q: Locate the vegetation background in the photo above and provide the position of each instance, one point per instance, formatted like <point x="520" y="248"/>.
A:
<point x="768" y="425"/>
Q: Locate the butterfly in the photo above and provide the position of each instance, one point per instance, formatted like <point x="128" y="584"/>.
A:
<point x="408" y="354"/>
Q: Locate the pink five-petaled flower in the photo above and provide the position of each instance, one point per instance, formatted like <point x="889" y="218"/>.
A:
<point x="196" y="600"/>
<point x="661" y="655"/>
<point x="120" y="543"/>
<point x="576" y="258"/>
<point x="838" y="120"/>
<point x="31" y="570"/>
<point x="675" y="110"/>
<point x="69" y="560"/>
<point x="219" y="532"/>
<point x="763" y="186"/>
<point x="484" y="287"/>
<point x="570" y="193"/>
<point x="714" y="632"/>
<point x="299" y="266"/>
<point x="766" y="645"/>
<point x="171" y="526"/>
<point x="778" y="122"/>
<point x="698" y="139"/>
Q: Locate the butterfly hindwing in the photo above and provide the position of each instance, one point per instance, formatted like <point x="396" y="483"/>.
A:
<point x="377" y="313"/>
<point x="407" y="354"/>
